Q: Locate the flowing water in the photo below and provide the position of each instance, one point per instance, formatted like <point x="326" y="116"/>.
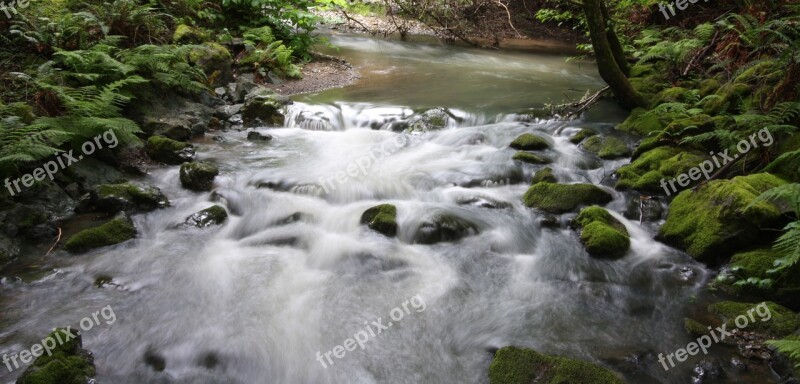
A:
<point x="292" y="273"/>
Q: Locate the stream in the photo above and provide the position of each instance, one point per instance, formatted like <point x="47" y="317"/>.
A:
<point x="292" y="273"/>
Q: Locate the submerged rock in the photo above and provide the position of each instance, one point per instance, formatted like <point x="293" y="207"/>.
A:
<point x="530" y="158"/>
<point x="529" y="142"/>
<point x="602" y="234"/>
<point x="214" y="215"/>
<point x="198" y="176"/>
<point x="258" y="136"/>
<point x="381" y="218"/>
<point x="581" y="136"/>
<point x="514" y="365"/>
<point x="561" y="198"/>
<point x="432" y="119"/>
<point x="112" y="198"/>
<point x="69" y="363"/>
<point x="544" y="175"/>
<point x="721" y="217"/>
<point x="444" y="228"/>
<point x="116" y="231"/>
<point x="607" y="147"/>
<point x="169" y="151"/>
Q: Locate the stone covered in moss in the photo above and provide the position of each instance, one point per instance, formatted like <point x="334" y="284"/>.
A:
<point x="561" y="198"/>
<point x="116" y="231"/>
<point x="214" y="215"/>
<point x="544" y="175"/>
<point x="185" y="34"/>
<point x="216" y="62"/>
<point x="602" y="234"/>
<point x="68" y="363"/>
<point x="782" y="321"/>
<point x="642" y="122"/>
<point x="581" y="136"/>
<point x="381" y="218"/>
<point x="646" y="172"/>
<point x="606" y="147"/>
<point x="530" y="158"/>
<point x="432" y="119"/>
<point x="718" y="218"/>
<point x="169" y="151"/>
<point x="694" y="328"/>
<point x="749" y="270"/>
<point x="198" y="176"/>
<point x="675" y="95"/>
<point x="728" y="99"/>
<point x="444" y="228"/>
<point x="112" y="198"/>
<point x="529" y="142"/>
<point x="263" y="106"/>
<point x="513" y="365"/>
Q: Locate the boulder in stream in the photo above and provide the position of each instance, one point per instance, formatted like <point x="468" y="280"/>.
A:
<point x="198" y="176"/>
<point x="381" y="218"/>
<point x="68" y="363"/>
<point x="544" y="175"/>
<point x="169" y="151"/>
<point x="602" y="235"/>
<point x="263" y="106"/>
<point x="444" y="228"/>
<point x="530" y="158"/>
<point x="514" y="365"/>
<point x="214" y="215"/>
<point x="562" y="198"/>
<point x="116" y="231"/>
<point x="606" y="147"/>
<point x="529" y="142"/>
<point x="582" y="135"/>
<point x="112" y="198"/>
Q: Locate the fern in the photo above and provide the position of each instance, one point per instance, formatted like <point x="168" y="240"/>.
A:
<point x="790" y="346"/>
<point x="20" y="143"/>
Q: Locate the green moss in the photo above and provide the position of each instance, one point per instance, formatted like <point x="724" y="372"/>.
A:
<point x="116" y="231"/>
<point x="643" y="123"/>
<point x="675" y="95"/>
<point x="381" y="218"/>
<point x="215" y="60"/>
<point x="782" y="321"/>
<point x="529" y="142"/>
<point x="544" y="175"/>
<point x="513" y="365"/>
<point x="198" y="176"/>
<point x="264" y="105"/>
<point x="606" y="147"/>
<point x="602" y="234"/>
<point x="582" y="135"/>
<point x="168" y="151"/>
<point x="527" y="157"/>
<point x="185" y="34"/>
<point x="113" y="198"/>
<point x="646" y="172"/>
<point x="68" y="363"/>
<point x="718" y="218"/>
<point x="214" y="215"/>
<point x="728" y="99"/>
<point x="788" y="169"/>
<point x="650" y="84"/>
<point x="766" y="71"/>
<point x="708" y="86"/>
<point x="694" y="328"/>
<point x="560" y="198"/>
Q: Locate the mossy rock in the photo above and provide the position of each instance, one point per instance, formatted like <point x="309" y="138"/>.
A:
<point x="116" y="231"/>
<point x="606" y="147"/>
<point x="752" y="267"/>
<point x="561" y="198"/>
<point x="676" y="95"/>
<point x="544" y="175"/>
<point x="530" y="158"/>
<point x="708" y="87"/>
<point x="581" y="136"/>
<point x="718" y="218"/>
<point x="514" y="365"/>
<point x="263" y="106"/>
<point x="650" y="83"/>
<point x="68" y="363"/>
<point x="169" y="151"/>
<point x="216" y="62"/>
<point x="728" y="99"/>
<point x="18" y="109"/>
<point x="644" y="122"/>
<point x="766" y="71"/>
<point x="381" y="218"/>
<point x="788" y="169"/>
<point x="603" y="236"/>
<point x="198" y="176"/>
<point x="529" y="142"/>
<point x="214" y="215"/>
<point x="782" y="321"/>
<point x="430" y="120"/>
<point x="444" y="228"/>
<point x="694" y="328"/>
<point x="112" y="198"/>
<point x="647" y="171"/>
<point x="185" y="34"/>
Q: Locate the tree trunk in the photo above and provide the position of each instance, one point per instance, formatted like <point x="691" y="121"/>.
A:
<point x="613" y="40"/>
<point x="607" y="64"/>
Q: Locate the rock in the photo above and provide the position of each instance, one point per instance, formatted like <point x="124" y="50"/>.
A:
<point x="199" y="129"/>
<point x="258" y="136"/>
<point x="646" y="172"/>
<point x="116" y="231"/>
<point x="225" y="112"/>
<point x="245" y="84"/>
<point x="215" y="215"/>
<point x="68" y="363"/>
<point x="749" y="269"/>
<point x="602" y="235"/>
<point x="606" y="147"/>
<point x="22" y="218"/>
<point x="444" y="228"/>
<point x="514" y="365"/>
<point x="529" y="142"/>
<point x="530" y="158"/>
<point x="544" y="175"/>
<point x="172" y="116"/>
<point x="215" y="61"/>
<point x="706" y="372"/>
<point x="381" y="218"/>
<point x="718" y="218"/>
<point x="582" y="135"/>
<point x="782" y="321"/>
<point x="198" y="176"/>
<point x="113" y="198"/>
<point x="561" y="198"/>
<point x="185" y="34"/>
<point x="644" y="208"/>
<point x="264" y="105"/>
<point x="430" y="120"/>
<point x="169" y="151"/>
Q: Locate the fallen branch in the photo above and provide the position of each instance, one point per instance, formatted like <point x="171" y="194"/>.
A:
<point x="58" y="239"/>
<point x="702" y="53"/>
<point x="364" y="27"/>
<point x="570" y="110"/>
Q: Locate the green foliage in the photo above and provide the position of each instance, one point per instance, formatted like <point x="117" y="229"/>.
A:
<point x="790" y="347"/>
<point x="788" y="244"/>
<point x="264" y="52"/>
